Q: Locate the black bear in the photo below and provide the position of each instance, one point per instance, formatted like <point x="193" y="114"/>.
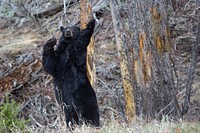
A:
<point x="67" y="65"/>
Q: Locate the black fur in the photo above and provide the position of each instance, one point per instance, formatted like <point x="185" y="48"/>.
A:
<point x="67" y="65"/>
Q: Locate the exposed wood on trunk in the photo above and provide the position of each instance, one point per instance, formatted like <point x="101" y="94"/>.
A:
<point x="143" y="62"/>
<point x="161" y="42"/>
<point x="126" y="78"/>
<point x="86" y="11"/>
<point x="156" y="20"/>
<point x="155" y="93"/>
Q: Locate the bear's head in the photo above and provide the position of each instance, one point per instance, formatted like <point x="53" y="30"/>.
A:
<point x="70" y="32"/>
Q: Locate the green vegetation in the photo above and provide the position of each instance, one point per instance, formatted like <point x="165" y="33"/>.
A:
<point x="9" y="121"/>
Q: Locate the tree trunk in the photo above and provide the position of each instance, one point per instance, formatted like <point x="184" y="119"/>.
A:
<point x="126" y="78"/>
<point x="195" y="48"/>
<point x="86" y="10"/>
<point x="155" y="92"/>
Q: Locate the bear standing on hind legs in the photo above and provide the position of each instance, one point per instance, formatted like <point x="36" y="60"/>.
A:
<point x="67" y="65"/>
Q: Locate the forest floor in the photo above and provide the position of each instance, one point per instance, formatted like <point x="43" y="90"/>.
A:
<point x="22" y="76"/>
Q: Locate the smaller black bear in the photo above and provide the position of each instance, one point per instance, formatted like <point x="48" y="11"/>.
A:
<point x="67" y="65"/>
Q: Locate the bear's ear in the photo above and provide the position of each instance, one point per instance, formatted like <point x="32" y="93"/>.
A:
<point x="62" y="29"/>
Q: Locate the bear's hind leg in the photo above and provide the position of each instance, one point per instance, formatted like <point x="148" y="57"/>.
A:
<point x="91" y="116"/>
<point x="71" y="117"/>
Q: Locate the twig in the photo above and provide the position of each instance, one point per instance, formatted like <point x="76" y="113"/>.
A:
<point x="165" y="107"/>
<point x="108" y="27"/>
<point x="100" y="5"/>
<point x="54" y="123"/>
<point x="109" y="108"/>
<point x="189" y="17"/>
<point x="36" y="122"/>
<point x="102" y="82"/>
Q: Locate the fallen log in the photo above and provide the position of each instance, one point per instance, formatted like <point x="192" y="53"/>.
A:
<point x="52" y="9"/>
<point x="20" y="73"/>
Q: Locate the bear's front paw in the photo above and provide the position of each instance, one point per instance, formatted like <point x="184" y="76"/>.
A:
<point x="91" y="24"/>
<point x="51" y="42"/>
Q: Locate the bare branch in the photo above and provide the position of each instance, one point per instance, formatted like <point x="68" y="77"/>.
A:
<point x="188" y="87"/>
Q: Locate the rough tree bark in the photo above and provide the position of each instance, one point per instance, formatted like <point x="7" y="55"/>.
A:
<point x="126" y="78"/>
<point x="86" y="15"/>
<point x="153" y="75"/>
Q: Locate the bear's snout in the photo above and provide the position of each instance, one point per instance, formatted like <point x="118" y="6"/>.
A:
<point x="68" y="33"/>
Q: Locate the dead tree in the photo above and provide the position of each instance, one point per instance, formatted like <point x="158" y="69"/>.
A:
<point x="86" y="10"/>
<point x="152" y="71"/>
<point x="126" y="78"/>
<point x="195" y="48"/>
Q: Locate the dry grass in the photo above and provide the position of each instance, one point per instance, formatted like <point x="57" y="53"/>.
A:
<point x="13" y="42"/>
<point x="115" y="127"/>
